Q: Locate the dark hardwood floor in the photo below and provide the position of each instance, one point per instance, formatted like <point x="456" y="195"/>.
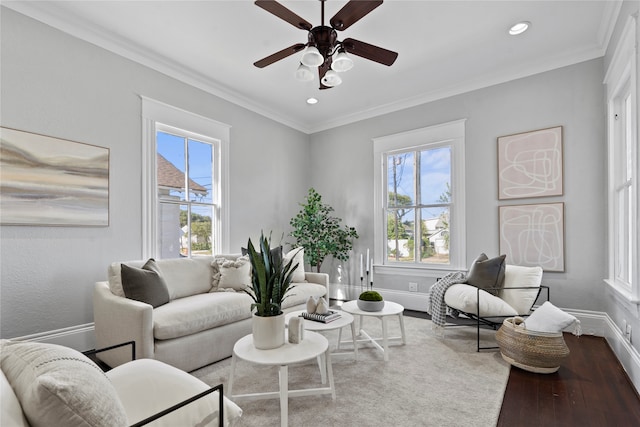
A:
<point x="591" y="389"/>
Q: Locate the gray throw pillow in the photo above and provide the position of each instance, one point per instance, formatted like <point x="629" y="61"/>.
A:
<point x="487" y="274"/>
<point x="145" y="284"/>
<point x="276" y="254"/>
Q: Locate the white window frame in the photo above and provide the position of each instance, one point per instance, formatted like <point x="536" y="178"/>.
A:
<point x="157" y="116"/>
<point x="621" y="81"/>
<point x="450" y="134"/>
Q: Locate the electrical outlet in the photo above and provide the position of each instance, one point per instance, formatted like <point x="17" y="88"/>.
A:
<point x="413" y="287"/>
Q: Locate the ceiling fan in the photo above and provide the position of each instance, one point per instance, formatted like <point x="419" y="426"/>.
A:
<point x="323" y="49"/>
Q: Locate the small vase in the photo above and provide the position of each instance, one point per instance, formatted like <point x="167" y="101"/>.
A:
<point x="268" y="331"/>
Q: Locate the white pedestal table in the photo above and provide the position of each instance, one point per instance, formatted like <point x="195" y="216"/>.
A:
<point x="312" y="346"/>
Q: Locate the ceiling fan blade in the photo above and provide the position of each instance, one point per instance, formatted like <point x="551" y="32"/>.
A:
<point x="352" y="12"/>
<point x="283" y="13"/>
<point x="279" y="55"/>
<point x="369" y="51"/>
<point x="322" y="70"/>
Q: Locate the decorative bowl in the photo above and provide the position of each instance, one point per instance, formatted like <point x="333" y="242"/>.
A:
<point x="370" y="305"/>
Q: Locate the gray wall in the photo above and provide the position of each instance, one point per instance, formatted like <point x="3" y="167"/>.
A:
<point x="571" y="97"/>
<point x="57" y="85"/>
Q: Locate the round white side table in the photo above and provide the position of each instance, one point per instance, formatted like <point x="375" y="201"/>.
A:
<point x="390" y="309"/>
<point x="312" y="346"/>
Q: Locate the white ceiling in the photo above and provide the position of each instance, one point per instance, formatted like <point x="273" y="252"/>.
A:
<point x="444" y="47"/>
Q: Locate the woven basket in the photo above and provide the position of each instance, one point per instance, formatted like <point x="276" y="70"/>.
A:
<point x="533" y="351"/>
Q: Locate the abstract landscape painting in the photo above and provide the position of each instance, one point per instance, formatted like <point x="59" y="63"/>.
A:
<point x="51" y="181"/>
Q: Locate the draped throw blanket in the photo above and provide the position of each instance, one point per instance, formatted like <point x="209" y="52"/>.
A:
<point x="436" y="306"/>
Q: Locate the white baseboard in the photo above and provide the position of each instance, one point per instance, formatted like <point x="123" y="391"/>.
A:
<point x="80" y="337"/>
<point x="410" y="300"/>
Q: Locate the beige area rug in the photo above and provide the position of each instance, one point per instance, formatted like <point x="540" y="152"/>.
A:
<point x="430" y="381"/>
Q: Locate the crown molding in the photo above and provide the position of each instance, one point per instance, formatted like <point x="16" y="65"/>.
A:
<point x="73" y="25"/>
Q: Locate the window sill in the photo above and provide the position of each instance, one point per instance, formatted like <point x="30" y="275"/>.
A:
<point x="623" y="296"/>
<point x="404" y="270"/>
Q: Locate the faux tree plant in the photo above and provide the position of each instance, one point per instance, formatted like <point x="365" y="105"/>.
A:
<point x="320" y="233"/>
<point x="270" y="279"/>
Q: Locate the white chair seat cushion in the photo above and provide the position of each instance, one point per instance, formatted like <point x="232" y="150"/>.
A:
<point x="518" y="276"/>
<point x="186" y="316"/>
<point x="464" y="298"/>
<point x="147" y="386"/>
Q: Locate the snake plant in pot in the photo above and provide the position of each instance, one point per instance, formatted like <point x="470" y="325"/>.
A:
<point x="270" y="281"/>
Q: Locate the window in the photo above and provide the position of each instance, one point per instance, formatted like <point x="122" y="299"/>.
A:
<point x="420" y="194"/>
<point x="184" y="183"/>
<point x="623" y="166"/>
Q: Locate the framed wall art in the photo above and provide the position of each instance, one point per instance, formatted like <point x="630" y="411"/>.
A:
<point x="52" y="181"/>
<point x="533" y="235"/>
<point x="530" y="164"/>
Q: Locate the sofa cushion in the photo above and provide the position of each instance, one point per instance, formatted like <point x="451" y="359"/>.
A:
<point x="147" y="386"/>
<point x="183" y="276"/>
<point x="301" y="292"/>
<point x="487" y="274"/>
<point x="464" y="297"/>
<point x="10" y="410"/>
<point x="145" y="284"/>
<point x="58" y="383"/>
<point x="231" y="274"/>
<point x="519" y="276"/>
<point x="297" y="255"/>
<point x="186" y="316"/>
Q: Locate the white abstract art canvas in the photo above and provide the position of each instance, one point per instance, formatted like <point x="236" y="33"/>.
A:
<point x="532" y="235"/>
<point x="530" y="164"/>
<point x="52" y="181"/>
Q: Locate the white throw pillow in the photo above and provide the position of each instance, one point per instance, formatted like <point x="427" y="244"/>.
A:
<point x="231" y="274"/>
<point x="58" y="383"/>
<point x="549" y="318"/>
<point x="297" y="255"/>
<point x="518" y="276"/>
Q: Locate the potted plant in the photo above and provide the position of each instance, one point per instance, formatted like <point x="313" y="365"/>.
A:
<point x="370" y="301"/>
<point x="270" y="281"/>
<point x="319" y="233"/>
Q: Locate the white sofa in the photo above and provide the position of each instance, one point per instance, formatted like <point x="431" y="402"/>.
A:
<point x="51" y="385"/>
<point x="199" y="325"/>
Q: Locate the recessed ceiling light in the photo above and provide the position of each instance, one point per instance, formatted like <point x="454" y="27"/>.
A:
<point x="519" y="28"/>
<point x="312" y="101"/>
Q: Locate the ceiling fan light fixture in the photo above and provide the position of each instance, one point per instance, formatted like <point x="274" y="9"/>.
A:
<point x="331" y="79"/>
<point x="304" y="73"/>
<point x="341" y="62"/>
<point x="311" y="57"/>
<point x="519" y="28"/>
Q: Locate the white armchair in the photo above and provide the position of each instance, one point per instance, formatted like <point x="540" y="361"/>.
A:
<point x="522" y="287"/>
<point x="51" y="385"/>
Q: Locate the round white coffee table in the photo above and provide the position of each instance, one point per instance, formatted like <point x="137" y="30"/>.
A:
<point x="312" y="346"/>
<point x="390" y="309"/>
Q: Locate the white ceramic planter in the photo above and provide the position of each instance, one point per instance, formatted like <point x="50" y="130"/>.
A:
<point x="370" y="305"/>
<point x="268" y="332"/>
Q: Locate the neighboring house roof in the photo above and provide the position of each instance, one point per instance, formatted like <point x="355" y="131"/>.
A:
<point x="171" y="177"/>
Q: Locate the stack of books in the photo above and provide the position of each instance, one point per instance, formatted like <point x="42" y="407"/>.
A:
<point x="327" y="317"/>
